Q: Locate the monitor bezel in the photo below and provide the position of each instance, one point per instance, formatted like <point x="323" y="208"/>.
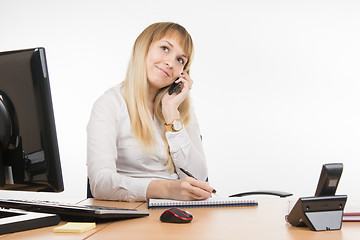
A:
<point x="49" y="144"/>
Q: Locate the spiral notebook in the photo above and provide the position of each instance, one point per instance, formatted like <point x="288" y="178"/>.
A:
<point x="211" y="202"/>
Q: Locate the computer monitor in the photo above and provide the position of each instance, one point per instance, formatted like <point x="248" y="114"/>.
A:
<point x="29" y="154"/>
<point x="29" y="149"/>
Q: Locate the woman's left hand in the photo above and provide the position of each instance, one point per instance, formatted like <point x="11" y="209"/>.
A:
<point x="170" y="103"/>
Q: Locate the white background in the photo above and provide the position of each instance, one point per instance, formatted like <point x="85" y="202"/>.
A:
<point x="276" y="83"/>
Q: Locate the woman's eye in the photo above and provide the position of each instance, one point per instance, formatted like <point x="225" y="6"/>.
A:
<point x="181" y="60"/>
<point x="166" y="49"/>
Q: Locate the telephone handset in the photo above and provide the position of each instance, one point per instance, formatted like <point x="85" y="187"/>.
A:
<point x="175" y="87"/>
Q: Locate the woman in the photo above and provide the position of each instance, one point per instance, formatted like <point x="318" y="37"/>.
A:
<point x="139" y="136"/>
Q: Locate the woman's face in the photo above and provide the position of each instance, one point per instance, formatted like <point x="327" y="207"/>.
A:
<point x="165" y="62"/>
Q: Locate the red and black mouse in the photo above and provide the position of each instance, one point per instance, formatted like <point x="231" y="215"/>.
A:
<point x="176" y="215"/>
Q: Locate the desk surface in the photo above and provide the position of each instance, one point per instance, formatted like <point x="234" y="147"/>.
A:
<point x="267" y="221"/>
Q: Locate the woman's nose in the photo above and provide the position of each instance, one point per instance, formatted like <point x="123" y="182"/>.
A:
<point x="169" y="62"/>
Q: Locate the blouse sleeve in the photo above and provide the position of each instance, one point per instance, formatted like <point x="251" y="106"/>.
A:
<point x="187" y="151"/>
<point x="105" y="181"/>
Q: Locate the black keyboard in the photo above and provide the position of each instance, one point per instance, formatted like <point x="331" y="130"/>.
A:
<point x="73" y="212"/>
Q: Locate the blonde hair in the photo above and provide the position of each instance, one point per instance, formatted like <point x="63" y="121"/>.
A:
<point x="135" y="85"/>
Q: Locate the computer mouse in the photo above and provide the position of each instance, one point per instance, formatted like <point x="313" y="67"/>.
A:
<point x="176" y="215"/>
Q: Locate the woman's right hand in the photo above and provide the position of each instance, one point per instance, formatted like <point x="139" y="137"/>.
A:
<point x="186" y="189"/>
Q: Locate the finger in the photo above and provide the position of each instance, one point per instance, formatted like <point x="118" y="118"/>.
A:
<point x="185" y="76"/>
<point x="200" y="188"/>
<point x="192" y="191"/>
<point x="187" y="82"/>
<point x="178" y="80"/>
<point x="204" y="185"/>
<point x="199" y="194"/>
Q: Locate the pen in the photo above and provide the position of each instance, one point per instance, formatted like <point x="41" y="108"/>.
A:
<point x="192" y="176"/>
<point x="187" y="173"/>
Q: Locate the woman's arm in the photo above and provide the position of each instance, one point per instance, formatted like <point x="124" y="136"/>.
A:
<point x="105" y="181"/>
<point x="186" y="150"/>
<point x="183" y="189"/>
<point x="186" y="147"/>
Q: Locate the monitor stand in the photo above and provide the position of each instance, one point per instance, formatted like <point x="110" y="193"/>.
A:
<point x="14" y="220"/>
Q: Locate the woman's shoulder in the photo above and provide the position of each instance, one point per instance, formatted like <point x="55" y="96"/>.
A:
<point x="114" y="92"/>
<point x="112" y="96"/>
<point x="111" y="101"/>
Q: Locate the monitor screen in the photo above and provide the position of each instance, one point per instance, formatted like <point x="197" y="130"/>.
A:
<point x="29" y="154"/>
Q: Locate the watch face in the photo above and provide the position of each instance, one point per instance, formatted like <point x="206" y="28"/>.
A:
<point x="177" y="125"/>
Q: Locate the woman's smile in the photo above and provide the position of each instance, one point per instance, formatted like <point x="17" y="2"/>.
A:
<point x="163" y="71"/>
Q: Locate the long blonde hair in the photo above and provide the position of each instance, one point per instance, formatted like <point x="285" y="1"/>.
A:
<point x="135" y="85"/>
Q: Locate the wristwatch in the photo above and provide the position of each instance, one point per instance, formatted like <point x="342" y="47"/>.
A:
<point x="175" y="126"/>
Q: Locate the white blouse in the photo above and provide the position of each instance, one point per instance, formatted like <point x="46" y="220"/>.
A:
<point x="119" y="168"/>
